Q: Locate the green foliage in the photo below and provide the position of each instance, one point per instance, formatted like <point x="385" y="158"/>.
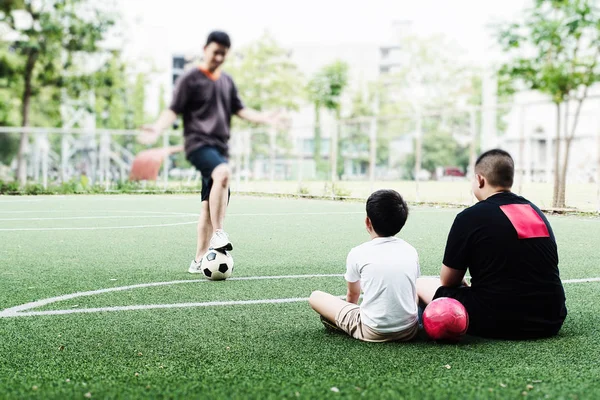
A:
<point x="267" y="80"/>
<point x="554" y="50"/>
<point x="429" y="78"/>
<point x="325" y="90"/>
<point x="138" y="98"/>
<point x="55" y="39"/>
<point x="440" y="149"/>
<point x="327" y="86"/>
<point x="265" y="76"/>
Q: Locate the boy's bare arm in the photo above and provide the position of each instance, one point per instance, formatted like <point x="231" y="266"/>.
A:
<point x="353" y="293"/>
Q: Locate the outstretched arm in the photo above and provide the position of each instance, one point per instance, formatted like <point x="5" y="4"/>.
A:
<point x="151" y="133"/>
<point x="258" y="117"/>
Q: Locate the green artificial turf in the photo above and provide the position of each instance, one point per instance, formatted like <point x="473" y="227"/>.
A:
<point x="251" y="350"/>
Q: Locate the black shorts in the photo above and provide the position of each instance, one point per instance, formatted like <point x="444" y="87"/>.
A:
<point x="206" y="159"/>
<point x="507" y="324"/>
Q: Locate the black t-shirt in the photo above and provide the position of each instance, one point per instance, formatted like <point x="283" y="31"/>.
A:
<point x="509" y="248"/>
<point x="207" y="104"/>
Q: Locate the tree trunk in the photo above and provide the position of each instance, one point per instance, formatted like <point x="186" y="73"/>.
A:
<point x="569" y="135"/>
<point x="556" y="158"/>
<point x="26" y="102"/>
<point x="563" y="175"/>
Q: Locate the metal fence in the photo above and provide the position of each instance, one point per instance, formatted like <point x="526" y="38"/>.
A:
<point x="427" y="156"/>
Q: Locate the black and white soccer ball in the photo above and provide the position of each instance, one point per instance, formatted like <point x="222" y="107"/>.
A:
<point x="217" y="265"/>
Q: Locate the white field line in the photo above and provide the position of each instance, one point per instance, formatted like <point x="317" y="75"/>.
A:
<point x="22" y="310"/>
<point x="165" y="215"/>
<point x="91" y="228"/>
<point x="96" y="228"/>
<point x="97" y="217"/>
<point x="2" y="201"/>
<point x="92" y="212"/>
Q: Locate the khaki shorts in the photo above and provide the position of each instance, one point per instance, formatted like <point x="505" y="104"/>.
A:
<point x="348" y="319"/>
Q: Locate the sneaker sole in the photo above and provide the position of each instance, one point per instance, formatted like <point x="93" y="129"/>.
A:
<point x="227" y="247"/>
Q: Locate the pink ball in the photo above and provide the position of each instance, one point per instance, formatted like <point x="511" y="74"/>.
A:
<point x="445" y="319"/>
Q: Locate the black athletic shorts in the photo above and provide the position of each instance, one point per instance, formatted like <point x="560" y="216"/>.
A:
<point x="206" y="159"/>
<point x="503" y="325"/>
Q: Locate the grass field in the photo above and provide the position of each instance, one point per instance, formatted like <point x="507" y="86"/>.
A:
<point x="172" y="335"/>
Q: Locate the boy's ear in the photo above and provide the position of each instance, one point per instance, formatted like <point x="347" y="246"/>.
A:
<point x="480" y="181"/>
<point x="368" y="224"/>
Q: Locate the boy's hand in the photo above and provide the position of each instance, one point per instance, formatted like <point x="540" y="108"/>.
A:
<point x="148" y="135"/>
<point x="278" y="119"/>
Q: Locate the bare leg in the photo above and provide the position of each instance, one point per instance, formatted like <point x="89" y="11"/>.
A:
<point x="326" y="304"/>
<point x="205" y="230"/>
<point x="218" y="195"/>
<point x="426" y="288"/>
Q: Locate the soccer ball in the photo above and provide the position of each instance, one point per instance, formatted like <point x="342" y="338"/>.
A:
<point x="217" y="265"/>
<point x="445" y="319"/>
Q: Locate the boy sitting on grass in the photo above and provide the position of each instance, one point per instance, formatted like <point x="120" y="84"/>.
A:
<point x="386" y="268"/>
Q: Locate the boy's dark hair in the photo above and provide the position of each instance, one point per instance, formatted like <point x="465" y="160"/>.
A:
<point x="497" y="166"/>
<point x="219" y="37"/>
<point x="387" y="211"/>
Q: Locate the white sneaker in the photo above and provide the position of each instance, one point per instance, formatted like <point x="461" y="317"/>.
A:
<point x="220" y="241"/>
<point x="195" y="267"/>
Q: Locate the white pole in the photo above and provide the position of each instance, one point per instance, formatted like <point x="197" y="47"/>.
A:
<point x="521" y="163"/>
<point x="37" y="158"/>
<point x="45" y="149"/>
<point x="238" y="161"/>
<point x="418" y="151"/>
<point x="299" y="156"/>
<point x="372" y="151"/>
<point x="598" y="166"/>
<point x="272" y="152"/>
<point x="334" y="155"/>
<point x="64" y="154"/>
<point x="166" y="161"/>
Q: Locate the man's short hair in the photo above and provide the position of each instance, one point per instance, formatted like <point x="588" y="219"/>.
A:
<point x="219" y="37"/>
<point x="387" y="211"/>
<point x="497" y="166"/>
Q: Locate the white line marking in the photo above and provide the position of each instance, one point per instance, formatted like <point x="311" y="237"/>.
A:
<point x="22" y="310"/>
<point x="155" y="306"/>
<point x="96" y="228"/>
<point x="97" y="217"/>
<point x="40" y="303"/>
<point x="93" y="212"/>
<point x="2" y="201"/>
<point x="165" y="215"/>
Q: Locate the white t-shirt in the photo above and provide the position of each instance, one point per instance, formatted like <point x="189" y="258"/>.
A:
<point x="388" y="269"/>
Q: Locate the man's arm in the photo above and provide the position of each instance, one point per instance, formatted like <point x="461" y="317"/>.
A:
<point x="151" y="133"/>
<point x="353" y="292"/>
<point x="451" y="277"/>
<point x="257" y="117"/>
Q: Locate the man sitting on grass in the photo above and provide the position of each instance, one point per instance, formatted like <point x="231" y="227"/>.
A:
<point x="507" y="245"/>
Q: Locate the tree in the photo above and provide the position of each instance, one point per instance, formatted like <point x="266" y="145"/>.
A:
<point x="555" y="50"/>
<point x="267" y="80"/>
<point x="425" y="88"/>
<point x="111" y="92"/>
<point x="439" y="149"/>
<point x="57" y="32"/>
<point x="325" y="90"/>
<point x="138" y="100"/>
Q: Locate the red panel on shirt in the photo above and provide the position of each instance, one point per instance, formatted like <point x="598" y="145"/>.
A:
<point x="526" y="221"/>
